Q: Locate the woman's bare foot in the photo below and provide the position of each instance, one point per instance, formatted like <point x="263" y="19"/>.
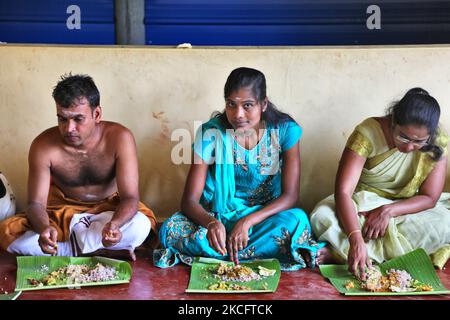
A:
<point x="306" y="255"/>
<point x="325" y="256"/>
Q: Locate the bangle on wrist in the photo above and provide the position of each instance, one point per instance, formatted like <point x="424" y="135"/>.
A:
<point x="352" y="232"/>
<point x="211" y="222"/>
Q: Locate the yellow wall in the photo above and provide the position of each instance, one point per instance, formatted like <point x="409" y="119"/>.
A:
<point x="153" y="91"/>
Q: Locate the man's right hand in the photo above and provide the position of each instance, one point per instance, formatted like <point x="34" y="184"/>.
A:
<point x="358" y="258"/>
<point x="216" y="236"/>
<point x="47" y="240"/>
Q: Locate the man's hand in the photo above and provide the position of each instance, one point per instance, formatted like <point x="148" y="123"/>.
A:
<point x="111" y="234"/>
<point x="47" y="240"/>
<point x="238" y="239"/>
<point x="377" y="221"/>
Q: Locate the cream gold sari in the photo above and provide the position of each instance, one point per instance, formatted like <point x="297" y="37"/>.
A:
<point x="389" y="175"/>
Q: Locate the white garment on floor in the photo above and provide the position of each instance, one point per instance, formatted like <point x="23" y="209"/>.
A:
<point x="86" y="230"/>
<point x="7" y="199"/>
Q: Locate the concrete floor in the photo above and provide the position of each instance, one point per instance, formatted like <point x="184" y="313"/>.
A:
<point x="151" y="283"/>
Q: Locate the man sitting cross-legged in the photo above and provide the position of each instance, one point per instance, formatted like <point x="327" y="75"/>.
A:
<point x="91" y="166"/>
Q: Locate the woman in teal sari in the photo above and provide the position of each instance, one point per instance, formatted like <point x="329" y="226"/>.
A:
<point x="388" y="194"/>
<point x="239" y="198"/>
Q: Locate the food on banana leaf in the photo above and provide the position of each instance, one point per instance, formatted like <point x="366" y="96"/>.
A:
<point x="394" y="281"/>
<point x="77" y="274"/>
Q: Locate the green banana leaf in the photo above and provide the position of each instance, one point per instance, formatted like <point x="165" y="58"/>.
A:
<point x="37" y="267"/>
<point x="10" y="296"/>
<point x="202" y="276"/>
<point x="417" y="263"/>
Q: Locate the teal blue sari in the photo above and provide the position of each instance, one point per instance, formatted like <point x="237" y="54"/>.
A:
<point x="240" y="182"/>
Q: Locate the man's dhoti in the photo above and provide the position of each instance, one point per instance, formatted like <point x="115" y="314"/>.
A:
<point x="79" y="225"/>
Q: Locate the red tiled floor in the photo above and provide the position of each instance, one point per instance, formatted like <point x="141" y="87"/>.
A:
<point x="151" y="283"/>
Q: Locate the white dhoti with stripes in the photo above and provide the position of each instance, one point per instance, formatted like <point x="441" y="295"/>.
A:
<point x="86" y="236"/>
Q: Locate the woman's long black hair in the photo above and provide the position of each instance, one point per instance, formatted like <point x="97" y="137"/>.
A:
<point x="418" y="107"/>
<point x="251" y="78"/>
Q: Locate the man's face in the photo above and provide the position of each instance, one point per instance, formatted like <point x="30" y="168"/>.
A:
<point x="77" y="123"/>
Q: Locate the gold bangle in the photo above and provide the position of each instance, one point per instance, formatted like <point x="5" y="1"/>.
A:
<point x="212" y="221"/>
<point x="349" y="235"/>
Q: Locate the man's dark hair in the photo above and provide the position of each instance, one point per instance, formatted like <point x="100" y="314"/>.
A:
<point x="71" y="88"/>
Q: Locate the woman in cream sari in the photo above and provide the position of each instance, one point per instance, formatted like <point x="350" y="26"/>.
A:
<point x="388" y="194"/>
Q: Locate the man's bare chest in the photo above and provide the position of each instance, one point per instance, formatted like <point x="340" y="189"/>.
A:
<point x="84" y="169"/>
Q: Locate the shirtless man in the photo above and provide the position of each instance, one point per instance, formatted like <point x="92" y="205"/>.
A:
<point x="88" y="160"/>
